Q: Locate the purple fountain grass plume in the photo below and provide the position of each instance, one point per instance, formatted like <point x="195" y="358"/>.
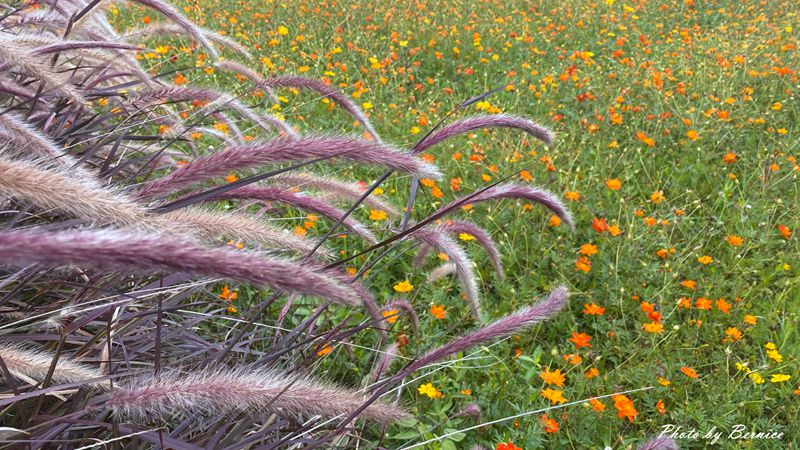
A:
<point x="179" y="19"/>
<point x="213" y="225"/>
<point x="503" y="327"/>
<point x="298" y="82"/>
<point x="183" y="94"/>
<point x="659" y="443"/>
<point x="403" y="305"/>
<point x="262" y="193"/>
<point x="470" y="410"/>
<point x="58" y="189"/>
<point x="283" y="150"/>
<point x="225" y="391"/>
<point x="514" y="190"/>
<point x="441" y="272"/>
<point x="339" y="189"/>
<point x="66" y="46"/>
<point x="466" y="275"/>
<point x="114" y="250"/>
<point x="385" y="359"/>
<point x="485" y="121"/>
<point x="168" y="29"/>
<point x="233" y="66"/>
<point x="423" y="252"/>
<point x="29" y="364"/>
<point x="482" y="237"/>
<point x="31" y="66"/>
<point x="27" y="137"/>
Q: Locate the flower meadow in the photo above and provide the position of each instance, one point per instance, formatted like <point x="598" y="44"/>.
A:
<point x="438" y="225"/>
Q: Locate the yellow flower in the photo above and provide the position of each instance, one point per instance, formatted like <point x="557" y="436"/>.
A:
<point x="403" y="286"/>
<point x="377" y="215"/>
<point x="466" y="237"/>
<point x="430" y="391"/>
<point x="757" y="379"/>
<point x="657" y="197"/>
<point x="705" y="260"/>
<point x="779" y="378"/>
<point x="774" y="354"/>
<point x="553" y="395"/>
<point x="283" y="31"/>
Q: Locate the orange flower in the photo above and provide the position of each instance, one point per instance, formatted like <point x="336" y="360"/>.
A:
<point x="689" y="284"/>
<point x="729" y="158"/>
<point x="693" y="135"/>
<point x="660" y="407"/>
<point x="555" y="396"/>
<point x="703" y="303"/>
<point x="391" y="315"/>
<point x="732" y="335"/>
<point x="705" y="260"/>
<point x="734" y="240"/>
<point x="599" y="225"/>
<point x="438" y="312"/>
<point x="227" y="294"/>
<point x="597" y="405"/>
<point x="507" y="446"/>
<point x="750" y="319"/>
<point x="555" y="221"/>
<point x="689" y="372"/>
<point x="580" y="340"/>
<point x="657" y="197"/>
<point x="583" y="264"/>
<point x="555" y="377"/>
<point x="625" y="408"/>
<point x="654" y="327"/>
<point x="573" y="358"/>
<point x="786" y="232"/>
<point x="591" y="373"/>
<point x="180" y="79"/>
<point x="593" y="310"/>
<point x="323" y="349"/>
<point x="614" y="230"/>
<point x="550" y="425"/>
<point x="572" y="196"/>
<point x="614" y="184"/>
<point x="588" y="249"/>
<point x="723" y="306"/>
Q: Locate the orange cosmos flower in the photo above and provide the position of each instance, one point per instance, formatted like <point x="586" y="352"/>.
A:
<point x="583" y="264"/>
<point x="550" y="425"/>
<point x="614" y="184"/>
<point x="689" y="372"/>
<point x="593" y="310"/>
<point x="625" y="408"/>
<point x="507" y="446"/>
<point x="705" y="260"/>
<point x="750" y="319"/>
<point x="599" y="225"/>
<point x="555" y="377"/>
<point x="660" y="407"/>
<point x="591" y="373"/>
<point x="597" y="405"/>
<point x="729" y="158"/>
<point x="734" y="240"/>
<point x="438" y="312"/>
<point x="555" y="396"/>
<point x="391" y="315"/>
<point x="657" y="197"/>
<point x="785" y="231"/>
<point x="580" y="340"/>
<point x="723" y="306"/>
<point x="588" y="249"/>
<point x="654" y="327"/>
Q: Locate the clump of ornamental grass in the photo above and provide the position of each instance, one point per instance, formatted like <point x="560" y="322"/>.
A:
<point x="148" y="273"/>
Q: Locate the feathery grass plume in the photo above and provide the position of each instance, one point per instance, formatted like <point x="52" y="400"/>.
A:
<point x="515" y="190"/>
<point x="422" y="253"/>
<point x="339" y="189"/>
<point x="30" y="65"/>
<point x="179" y="19"/>
<point x="407" y="308"/>
<point x="385" y="358"/>
<point x="233" y="66"/>
<point x="271" y="194"/>
<point x="25" y="136"/>
<point x="470" y="410"/>
<point x="283" y="150"/>
<point x="437" y="238"/>
<point x="213" y="225"/>
<point x="58" y="189"/>
<point x="441" y="272"/>
<point x="482" y="237"/>
<point x="169" y="29"/>
<point x="484" y="121"/>
<point x="659" y="443"/>
<point x="222" y="100"/>
<point x="114" y="250"/>
<point x="25" y="362"/>
<point x="225" y="391"/>
<point x="503" y="327"/>
<point x="65" y="46"/>
<point x="299" y="82"/>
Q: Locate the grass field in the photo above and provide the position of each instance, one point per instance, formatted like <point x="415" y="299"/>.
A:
<point x="676" y="146"/>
